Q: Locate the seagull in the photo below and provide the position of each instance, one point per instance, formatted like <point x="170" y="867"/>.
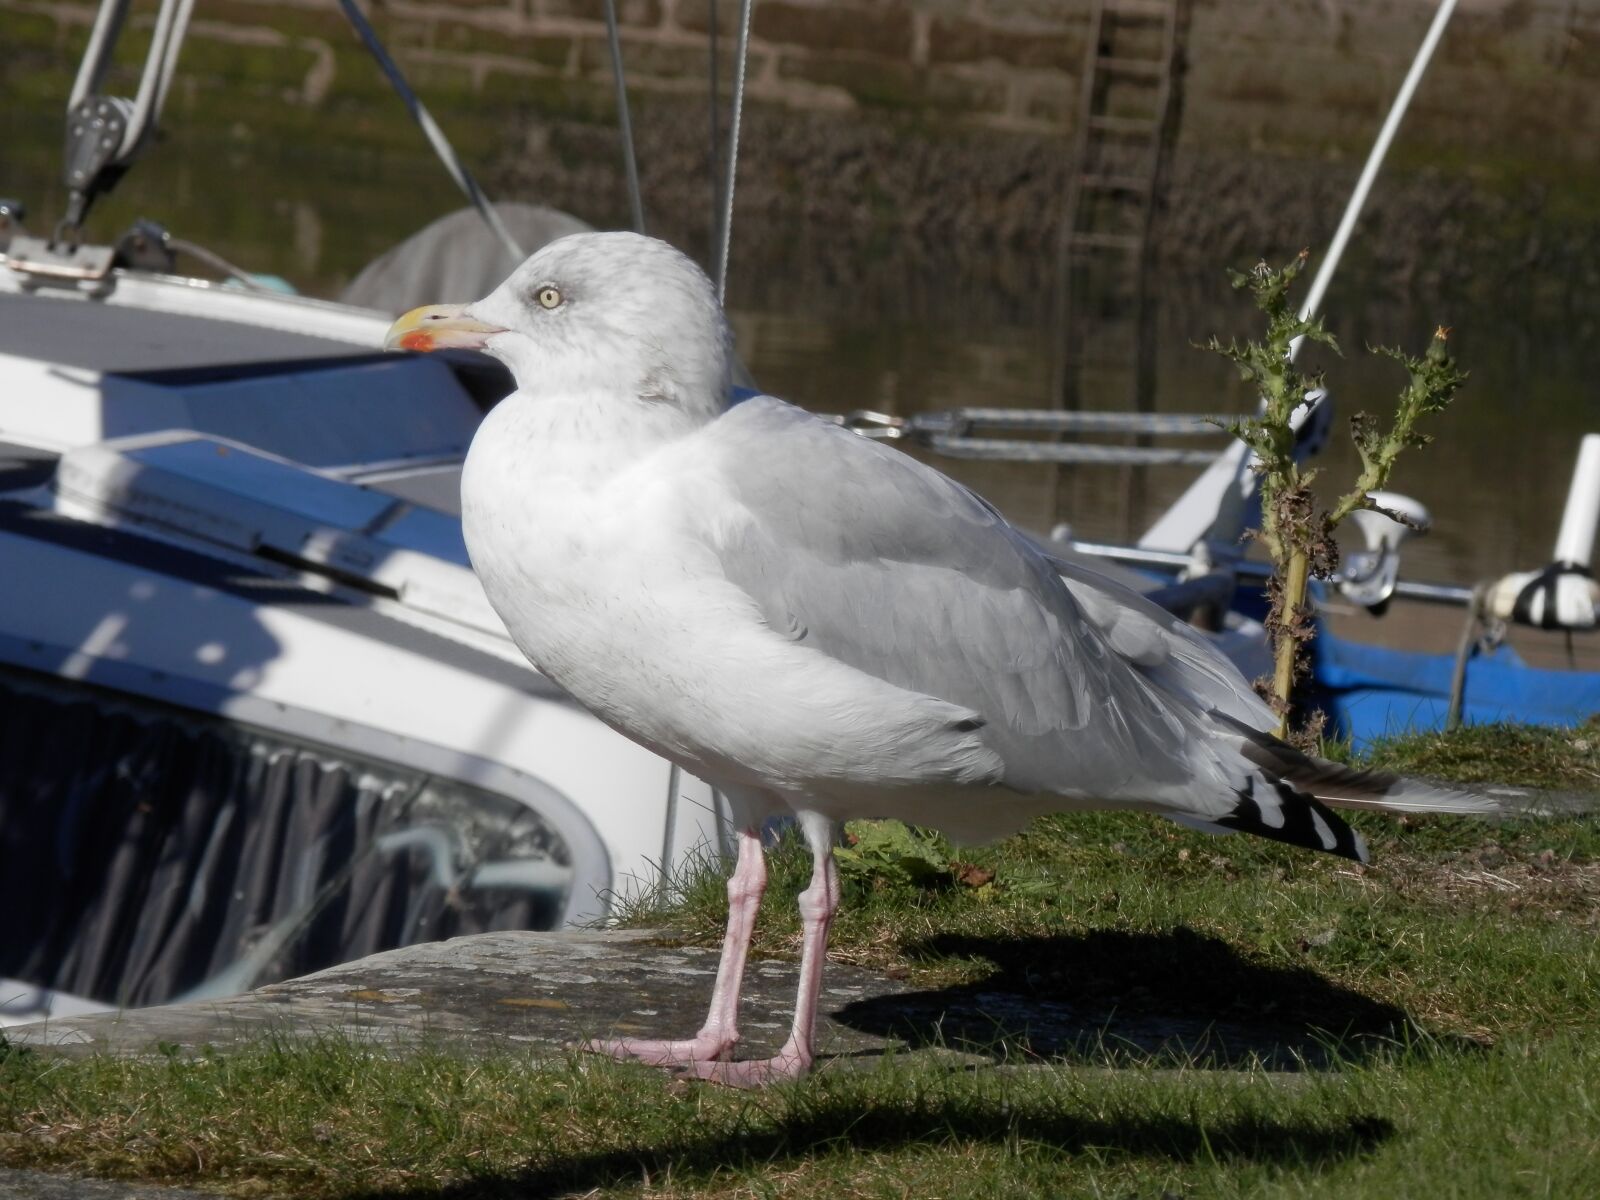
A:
<point x="819" y="625"/>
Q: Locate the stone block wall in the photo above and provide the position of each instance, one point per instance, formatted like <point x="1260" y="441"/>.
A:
<point x="992" y="62"/>
<point x="1303" y="76"/>
<point x="941" y="123"/>
<point x="1302" y="71"/>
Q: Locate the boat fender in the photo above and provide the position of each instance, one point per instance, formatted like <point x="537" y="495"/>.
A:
<point x="1563" y="595"/>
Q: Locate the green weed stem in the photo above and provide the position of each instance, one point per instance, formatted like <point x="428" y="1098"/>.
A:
<point x="1296" y="531"/>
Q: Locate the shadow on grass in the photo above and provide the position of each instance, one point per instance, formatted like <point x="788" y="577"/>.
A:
<point x="1111" y="997"/>
<point x="821" y="1128"/>
<point x="1106" y="998"/>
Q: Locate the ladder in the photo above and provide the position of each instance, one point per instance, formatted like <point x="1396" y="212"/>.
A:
<point x="1127" y="117"/>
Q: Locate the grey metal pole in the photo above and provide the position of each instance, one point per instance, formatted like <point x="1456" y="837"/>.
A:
<point x="1369" y="172"/>
<point x="1222" y="488"/>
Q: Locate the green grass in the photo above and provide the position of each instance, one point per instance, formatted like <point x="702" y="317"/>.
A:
<point x="1441" y="1004"/>
<point x="328" y="1120"/>
<point x="1541" y="756"/>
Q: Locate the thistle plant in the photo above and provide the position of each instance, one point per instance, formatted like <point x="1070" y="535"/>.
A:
<point x="1296" y="531"/>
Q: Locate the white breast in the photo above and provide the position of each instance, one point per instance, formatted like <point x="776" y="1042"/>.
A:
<point x="586" y="552"/>
<point x="542" y="530"/>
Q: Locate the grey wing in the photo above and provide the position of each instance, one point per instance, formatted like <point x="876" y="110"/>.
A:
<point x="1165" y="649"/>
<point x="868" y="556"/>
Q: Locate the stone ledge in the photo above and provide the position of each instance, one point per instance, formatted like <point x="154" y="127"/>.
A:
<point x="542" y="993"/>
<point x="531" y="991"/>
<point x="39" y="1185"/>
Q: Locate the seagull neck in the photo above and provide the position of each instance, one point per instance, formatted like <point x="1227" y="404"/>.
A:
<point x="596" y="433"/>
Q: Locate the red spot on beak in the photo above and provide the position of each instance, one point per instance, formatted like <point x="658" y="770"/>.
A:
<point x="417" y="339"/>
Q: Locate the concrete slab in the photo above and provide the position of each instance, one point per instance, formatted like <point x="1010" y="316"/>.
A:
<point x="544" y="992"/>
<point x="36" y="1185"/>
<point x="485" y="992"/>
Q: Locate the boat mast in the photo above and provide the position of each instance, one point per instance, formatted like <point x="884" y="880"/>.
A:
<point x="1216" y="507"/>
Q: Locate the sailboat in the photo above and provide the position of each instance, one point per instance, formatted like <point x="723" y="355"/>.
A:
<point x="257" y="715"/>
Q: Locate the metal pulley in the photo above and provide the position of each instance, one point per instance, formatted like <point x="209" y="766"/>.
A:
<point x="105" y="133"/>
<point x="96" y="129"/>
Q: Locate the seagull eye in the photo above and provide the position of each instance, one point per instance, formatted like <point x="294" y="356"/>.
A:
<point x="548" y="297"/>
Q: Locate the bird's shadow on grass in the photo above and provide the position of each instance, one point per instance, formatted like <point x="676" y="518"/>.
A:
<point x="823" y="1126"/>
<point x="1113" y="998"/>
<point x="1100" y="999"/>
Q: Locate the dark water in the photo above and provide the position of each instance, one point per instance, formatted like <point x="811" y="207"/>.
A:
<point x="1495" y="479"/>
<point x="840" y="327"/>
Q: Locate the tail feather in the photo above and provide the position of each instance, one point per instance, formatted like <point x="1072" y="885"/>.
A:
<point x="1368" y="790"/>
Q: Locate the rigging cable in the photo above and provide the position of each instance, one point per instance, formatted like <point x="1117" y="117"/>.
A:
<point x="430" y="129"/>
<point x="743" y="57"/>
<point x="629" y="162"/>
<point x="713" y="106"/>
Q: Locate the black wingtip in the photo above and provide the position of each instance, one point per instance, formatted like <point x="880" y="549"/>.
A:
<point x="1295" y="817"/>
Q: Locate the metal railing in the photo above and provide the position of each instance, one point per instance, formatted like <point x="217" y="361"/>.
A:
<point x="957" y="433"/>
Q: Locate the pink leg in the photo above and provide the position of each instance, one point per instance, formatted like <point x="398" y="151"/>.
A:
<point x="721" y="1030"/>
<point x="818" y="903"/>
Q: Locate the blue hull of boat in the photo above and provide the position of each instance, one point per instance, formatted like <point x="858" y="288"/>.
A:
<point x="1371" y="692"/>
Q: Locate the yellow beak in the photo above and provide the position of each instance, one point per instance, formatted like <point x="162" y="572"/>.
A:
<point x="439" y="327"/>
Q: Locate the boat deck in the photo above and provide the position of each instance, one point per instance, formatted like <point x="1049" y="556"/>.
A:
<point x="107" y="337"/>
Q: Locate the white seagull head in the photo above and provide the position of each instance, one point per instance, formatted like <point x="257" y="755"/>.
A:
<point x="616" y="316"/>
